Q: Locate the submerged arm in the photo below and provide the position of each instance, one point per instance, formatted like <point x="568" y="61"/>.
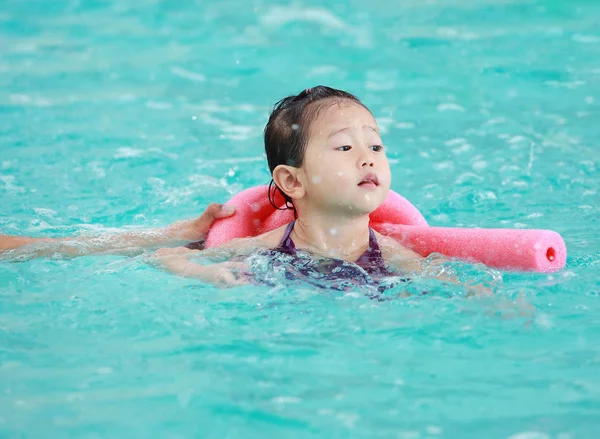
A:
<point x="224" y="274"/>
<point x="120" y="243"/>
<point x="408" y="261"/>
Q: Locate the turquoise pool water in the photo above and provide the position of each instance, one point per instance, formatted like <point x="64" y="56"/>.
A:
<point x="131" y="114"/>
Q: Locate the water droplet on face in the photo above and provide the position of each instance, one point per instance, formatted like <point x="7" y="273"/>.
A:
<point x="340" y="174"/>
<point x="316" y="179"/>
<point x="333" y="232"/>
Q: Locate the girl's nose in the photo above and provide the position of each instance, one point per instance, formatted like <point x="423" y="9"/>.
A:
<point x="367" y="163"/>
<point x="366" y="158"/>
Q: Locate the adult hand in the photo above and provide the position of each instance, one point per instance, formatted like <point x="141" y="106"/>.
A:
<point x="197" y="228"/>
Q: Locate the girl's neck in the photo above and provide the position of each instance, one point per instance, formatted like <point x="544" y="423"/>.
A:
<point x="332" y="236"/>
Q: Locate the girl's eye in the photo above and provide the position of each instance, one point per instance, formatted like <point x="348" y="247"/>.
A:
<point x="377" y="148"/>
<point x="344" y="148"/>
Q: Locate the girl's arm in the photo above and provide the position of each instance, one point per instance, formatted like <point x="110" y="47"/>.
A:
<point x="121" y="243"/>
<point x="403" y="259"/>
<point x="225" y="274"/>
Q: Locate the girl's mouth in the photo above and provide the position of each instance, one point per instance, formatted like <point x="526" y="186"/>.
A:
<point x="369" y="181"/>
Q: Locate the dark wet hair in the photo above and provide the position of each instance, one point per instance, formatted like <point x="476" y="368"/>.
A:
<point x="286" y="133"/>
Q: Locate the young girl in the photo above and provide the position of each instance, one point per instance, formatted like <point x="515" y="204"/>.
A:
<point x="328" y="161"/>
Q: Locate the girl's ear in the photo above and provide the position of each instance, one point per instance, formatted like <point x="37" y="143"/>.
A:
<point x="286" y="178"/>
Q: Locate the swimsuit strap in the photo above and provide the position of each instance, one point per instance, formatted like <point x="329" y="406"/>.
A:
<point x="371" y="260"/>
<point x="287" y="245"/>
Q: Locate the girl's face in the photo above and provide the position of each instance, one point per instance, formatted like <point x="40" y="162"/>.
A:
<point x="345" y="168"/>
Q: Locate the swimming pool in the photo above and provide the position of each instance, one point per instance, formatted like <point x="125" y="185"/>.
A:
<point x="135" y="114"/>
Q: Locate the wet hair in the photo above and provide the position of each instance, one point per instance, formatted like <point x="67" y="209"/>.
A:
<point x="287" y="132"/>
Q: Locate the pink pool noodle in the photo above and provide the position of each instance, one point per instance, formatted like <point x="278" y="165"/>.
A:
<point x="509" y="249"/>
<point x="255" y="215"/>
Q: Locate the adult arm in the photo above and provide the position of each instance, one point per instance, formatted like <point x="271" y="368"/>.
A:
<point x="119" y="243"/>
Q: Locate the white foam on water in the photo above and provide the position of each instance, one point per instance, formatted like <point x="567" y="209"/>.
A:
<point x="281" y="15"/>
<point x="449" y="106"/>
<point x="529" y="435"/>
<point x="188" y="74"/>
<point x="48" y="213"/>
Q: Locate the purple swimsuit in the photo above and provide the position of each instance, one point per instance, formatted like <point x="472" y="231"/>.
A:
<point x="286" y="261"/>
<point x="330" y="273"/>
<point x="370" y="261"/>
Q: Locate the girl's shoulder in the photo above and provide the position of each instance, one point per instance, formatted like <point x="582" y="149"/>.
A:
<point x="397" y="255"/>
<point x="268" y="239"/>
<point x="272" y="238"/>
<point x="392" y="248"/>
<point x="242" y="246"/>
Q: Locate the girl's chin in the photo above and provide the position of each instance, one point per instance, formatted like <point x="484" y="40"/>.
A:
<point x="353" y="206"/>
<point x="361" y="209"/>
<point x="370" y="202"/>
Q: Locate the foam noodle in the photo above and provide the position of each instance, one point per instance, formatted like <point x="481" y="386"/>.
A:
<point x="509" y="249"/>
<point x="255" y="215"/>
